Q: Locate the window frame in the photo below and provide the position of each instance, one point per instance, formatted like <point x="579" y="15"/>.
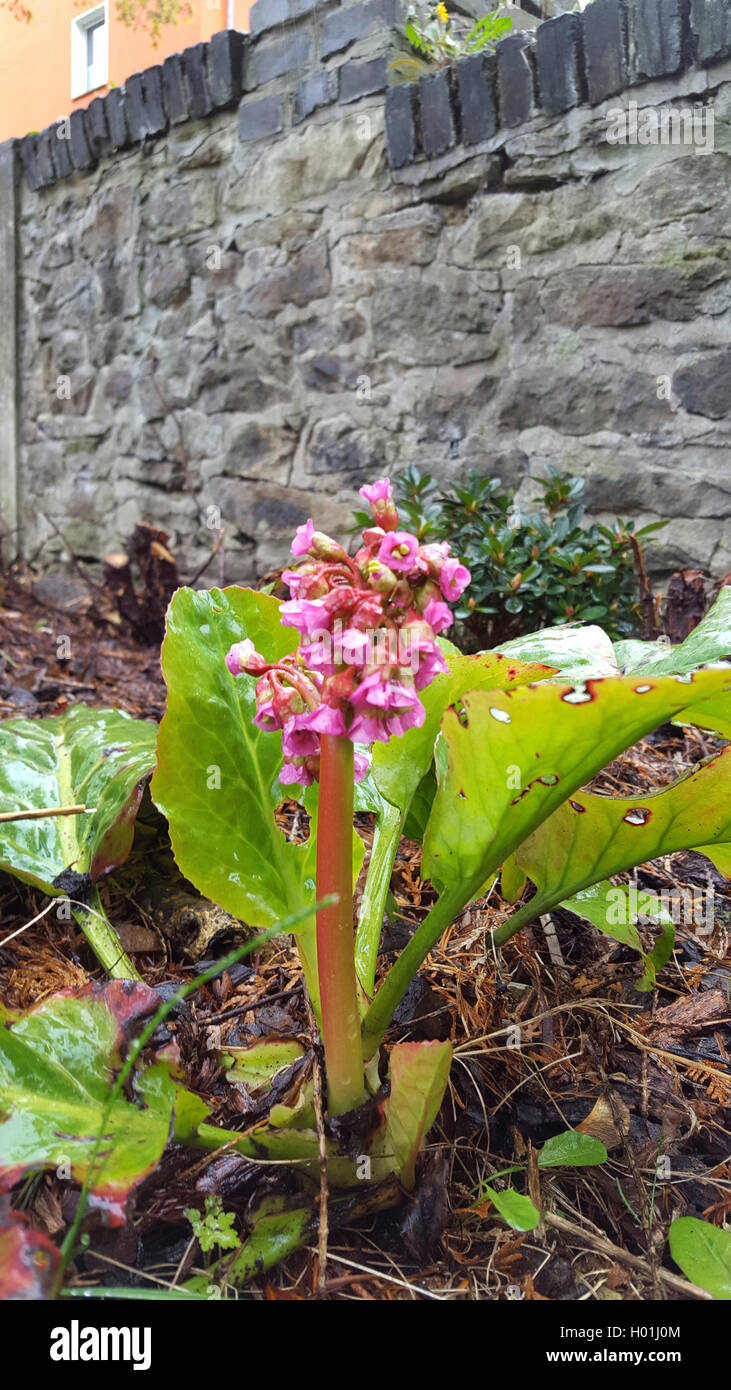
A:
<point x="81" y="24"/>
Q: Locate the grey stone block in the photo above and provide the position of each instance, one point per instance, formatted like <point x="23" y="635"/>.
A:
<point x="560" y="64"/>
<point x="81" y="155"/>
<point x="605" y="49"/>
<point x="710" y="23"/>
<point x="268" y="59"/>
<point x="61" y="149"/>
<point x="175" y="92"/>
<point x="313" y="92"/>
<point x="655" y="30"/>
<point x="259" y="118"/>
<point x="269" y="14"/>
<point x="476" y="86"/>
<point x="119" y="132"/>
<point x="704" y="387"/>
<point x="29" y="160"/>
<point x="402" y="124"/>
<point x="44" y="158"/>
<point x="225" y="66"/>
<point x="438" y="124"/>
<point x="97" y="130"/>
<point x="343" y="26"/>
<point x="516" y="79"/>
<point x="363" y="79"/>
<point x="196" y="81"/>
<point x="144" y="107"/>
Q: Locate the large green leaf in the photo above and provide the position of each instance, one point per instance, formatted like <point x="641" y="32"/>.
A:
<point x="507" y="760"/>
<point x="703" y="1252"/>
<point x="217" y="774"/>
<point x="57" y="1066"/>
<point x="400" y="772"/>
<point x="400" y="764"/>
<point x="590" y="837"/>
<point x="708" y="642"/>
<point x="577" y="652"/>
<point x="419" y="1073"/>
<point x="96" y="757"/>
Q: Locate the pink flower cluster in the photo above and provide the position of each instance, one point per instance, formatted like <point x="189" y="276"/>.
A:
<point x="368" y="626"/>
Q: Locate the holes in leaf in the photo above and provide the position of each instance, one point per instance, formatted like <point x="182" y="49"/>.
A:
<point x="461" y="714"/>
<point x="639" y="815"/>
<point x="500" y="714"/>
<point x="576" y="806"/>
<point x="550" y="779"/>
<point x="578" y="696"/>
<point x="642" y="689"/>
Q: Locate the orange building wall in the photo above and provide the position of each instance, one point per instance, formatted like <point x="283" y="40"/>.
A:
<point x="35" y="58"/>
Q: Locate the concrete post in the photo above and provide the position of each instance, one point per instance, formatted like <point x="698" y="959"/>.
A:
<point x="9" y="418"/>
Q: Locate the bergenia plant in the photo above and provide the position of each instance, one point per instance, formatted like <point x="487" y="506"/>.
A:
<point x="368" y="627"/>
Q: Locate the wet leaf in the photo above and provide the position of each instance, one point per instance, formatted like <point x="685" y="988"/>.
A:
<point x="57" y="1066"/>
<point x="571" y="1150"/>
<point x="217" y="774"/>
<point x="419" y="1074"/>
<point x="94" y="757"/>
<point x="507" y="760"/>
<point x="257" y="1066"/>
<point x="577" y="653"/>
<point x="591" y="837"/>
<point x="704" y="1254"/>
<point x="709" y="641"/>
<point x="28" y="1262"/>
<point x="400" y="765"/>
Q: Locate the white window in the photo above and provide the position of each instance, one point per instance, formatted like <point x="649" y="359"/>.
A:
<point x="89" y="51"/>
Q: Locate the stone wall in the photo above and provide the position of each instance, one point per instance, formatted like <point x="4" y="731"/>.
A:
<point x="254" y="278"/>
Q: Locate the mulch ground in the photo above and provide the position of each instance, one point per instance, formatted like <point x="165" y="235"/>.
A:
<point x="649" y="1074"/>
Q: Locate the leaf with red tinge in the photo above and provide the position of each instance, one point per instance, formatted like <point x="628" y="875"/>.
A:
<point x="100" y="758"/>
<point x="419" y="1074"/>
<point x="28" y="1262"/>
<point x="58" y="1063"/>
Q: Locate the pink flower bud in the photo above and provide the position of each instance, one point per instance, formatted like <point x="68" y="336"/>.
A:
<point x="454" y="579"/>
<point x="303" y="538"/>
<point x="243" y="658"/>
<point x="380" y="499"/>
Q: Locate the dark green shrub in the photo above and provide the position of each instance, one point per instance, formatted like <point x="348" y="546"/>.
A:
<point x="532" y="566"/>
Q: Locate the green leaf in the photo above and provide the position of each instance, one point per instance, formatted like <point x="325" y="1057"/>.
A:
<point x="402" y="768"/>
<point x="517" y="1210"/>
<point x="709" y="641"/>
<point x="57" y="1066"/>
<point x="257" y="1066"/>
<point x="94" y="757"/>
<point x="419" y="1074"/>
<point x="217" y="774"/>
<point x="400" y="764"/>
<point x="613" y="910"/>
<point x="575" y="652"/>
<point x="703" y="1252"/>
<point x="590" y="837"/>
<point x="571" y="1150"/>
<point x="507" y="760"/>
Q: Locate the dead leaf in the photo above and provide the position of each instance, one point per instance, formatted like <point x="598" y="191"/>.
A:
<point x="600" y="1122"/>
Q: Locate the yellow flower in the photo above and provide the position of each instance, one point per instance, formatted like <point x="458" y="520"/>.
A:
<point x="442" y="12"/>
